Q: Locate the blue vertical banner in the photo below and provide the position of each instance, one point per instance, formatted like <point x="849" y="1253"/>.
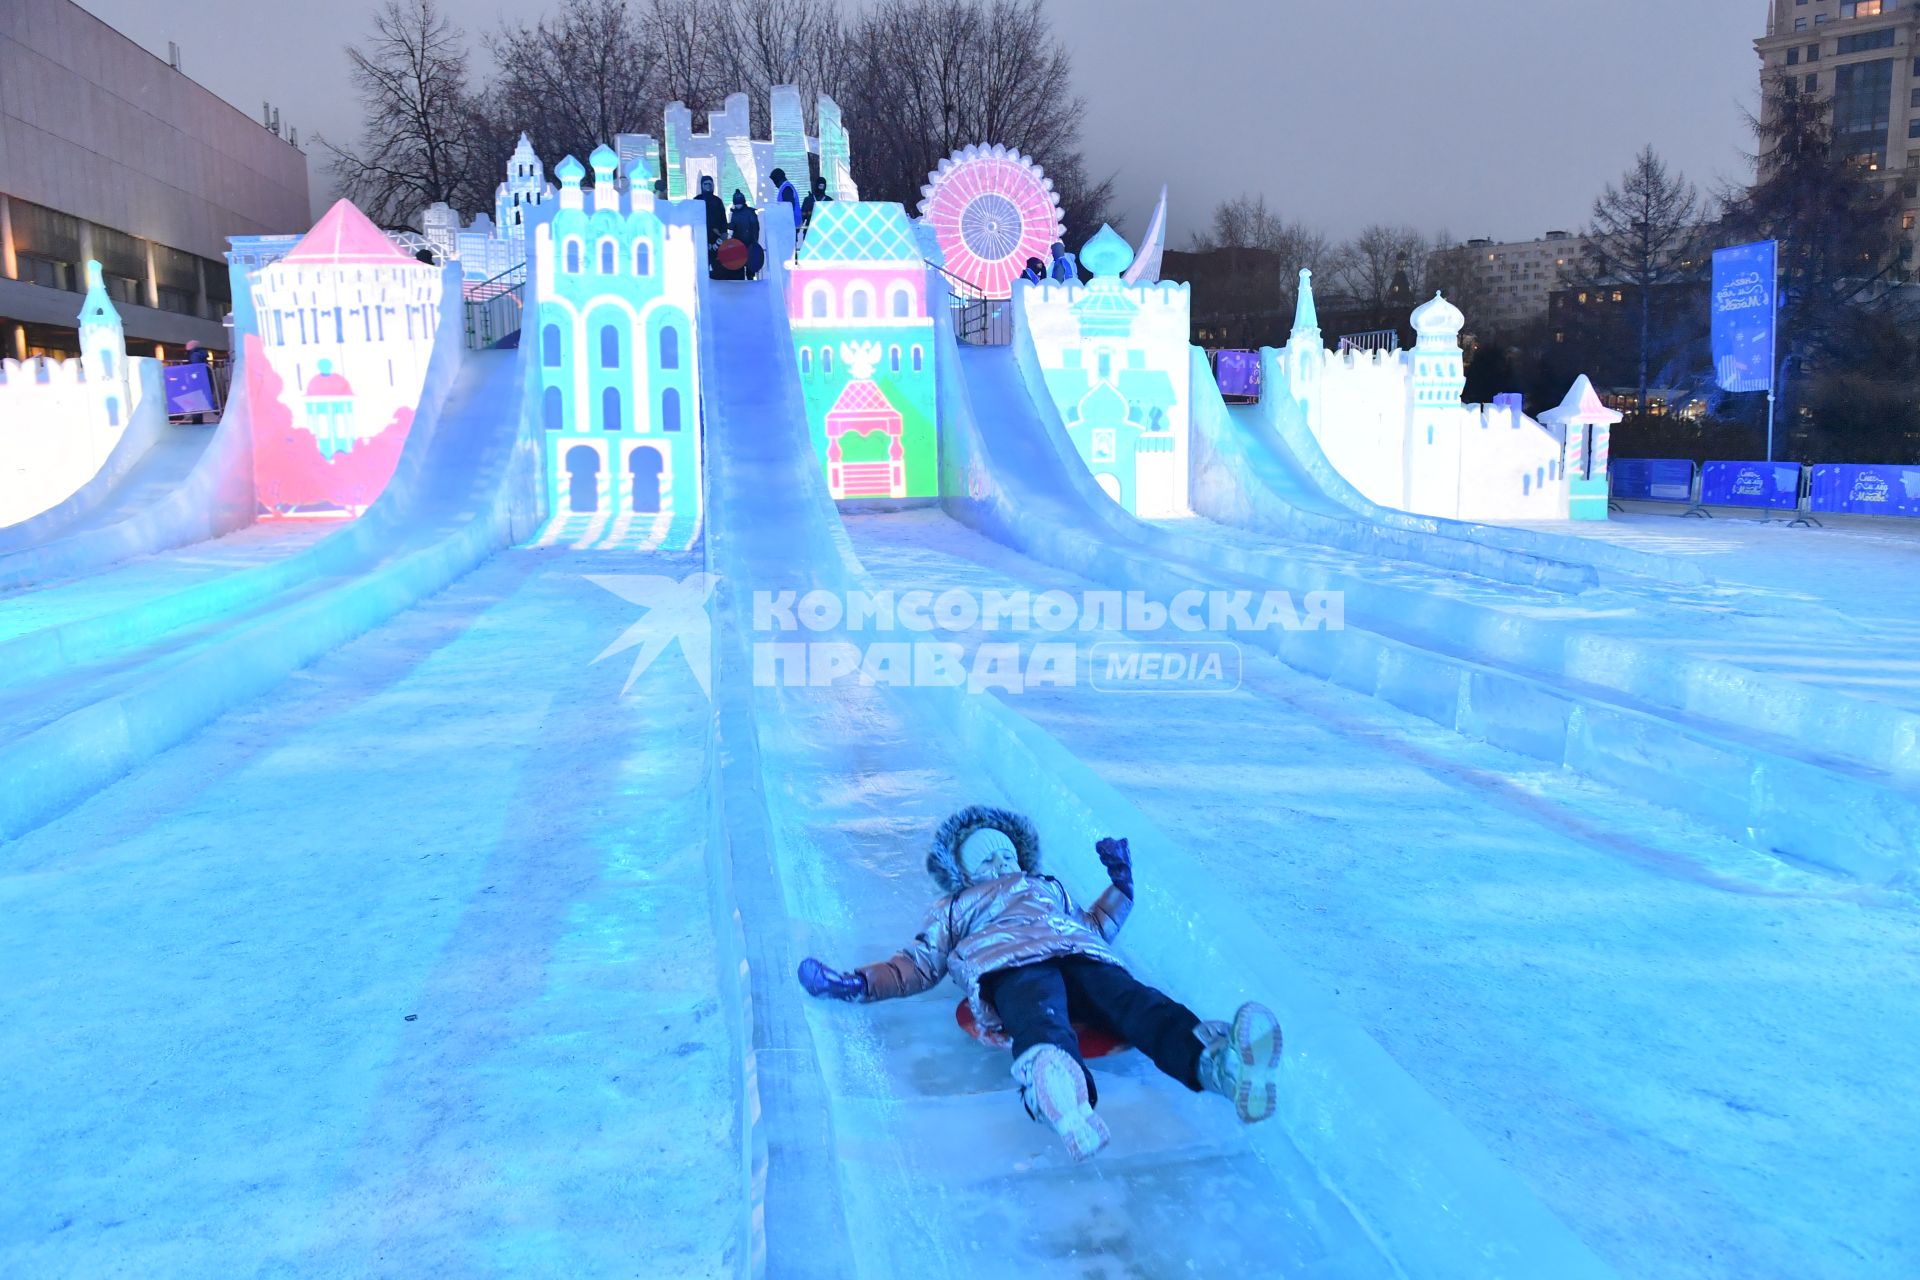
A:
<point x="1744" y="312"/>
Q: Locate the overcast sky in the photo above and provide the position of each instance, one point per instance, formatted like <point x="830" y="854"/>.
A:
<point x="1500" y="118"/>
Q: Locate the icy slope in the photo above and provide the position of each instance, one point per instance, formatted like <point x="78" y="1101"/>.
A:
<point x="132" y="681"/>
<point x="926" y="1165"/>
<point x="403" y="969"/>
<point x="1516" y="666"/>
<point x="1594" y="986"/>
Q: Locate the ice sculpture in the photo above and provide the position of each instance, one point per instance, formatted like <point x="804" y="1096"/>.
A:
<point x="863" y="338"/>
<point x="991" y="208"/>
<point x="1118" y="366"/>
<point x="1587" y="425"/>
<point x="490" y="247"/>
<point x="1392" y="424"/>
<point x="1146" y="266"/>
<point x="60" y="419"/>
<point x="336" y="348"/>
<point x="611" y="306"/>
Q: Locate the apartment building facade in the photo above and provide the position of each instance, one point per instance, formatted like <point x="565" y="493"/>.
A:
<point x="1862" y="56"/>
<point x="1512" y="280"/>
<point x="112" y="154"/>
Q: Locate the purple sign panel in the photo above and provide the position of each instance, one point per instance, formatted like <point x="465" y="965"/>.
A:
<point x="1775" y="485"/>
<point x="1238" y="373"/>
<point x="1866" y="491"/>
<point x="1652" y="479"/>
<point x="189" y="389"/>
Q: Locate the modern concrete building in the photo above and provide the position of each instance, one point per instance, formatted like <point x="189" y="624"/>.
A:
<point x="1862" y="56"/>
<point x="1513" y="280"/>
<point x="109" y="153"/>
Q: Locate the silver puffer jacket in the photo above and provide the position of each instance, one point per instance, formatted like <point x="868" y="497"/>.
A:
<point x="977" y="929"/>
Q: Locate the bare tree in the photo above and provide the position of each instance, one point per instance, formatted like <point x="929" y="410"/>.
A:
<point x="573" y="80"/>
<point x="926" y="77"/>
<point x="1281" y="248"/>
<point x="1381" y="270"/>
<point x="417" y="142"/>
<point x="763" y="43"/>
<point x="1642" y="237"/>
<point x="683" y="35"/>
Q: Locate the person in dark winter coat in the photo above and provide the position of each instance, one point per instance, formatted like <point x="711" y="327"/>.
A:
<point x="785" y="193"/>
<point x="716" y="217"/>
<point x="743" y="223"/>
<point x="1066" y="270"/>
<point x="1014" y="940"/>
<point x="1036" y="272"/>
<point x="817" y="197"/>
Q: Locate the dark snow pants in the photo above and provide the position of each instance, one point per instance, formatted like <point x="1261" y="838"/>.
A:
<point x="1039" y="1003"/>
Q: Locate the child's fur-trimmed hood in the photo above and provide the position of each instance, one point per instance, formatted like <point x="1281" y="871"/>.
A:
<point x="943" y="860"/>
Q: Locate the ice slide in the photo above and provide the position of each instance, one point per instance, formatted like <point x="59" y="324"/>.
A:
<point x="403" y="967"/>
<point x="1259" y="466"/>
<point x="99" y="674"/>
<point x="1758" y="756"/>
<point x="1387" y="856"/>
<point x="177" y="495"/>
<point x="892" y="1145"/>
<point x="147" y="433"/>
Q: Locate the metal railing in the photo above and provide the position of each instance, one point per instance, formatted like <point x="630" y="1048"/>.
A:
<point x="493" y="307"/>
<point x="1371" y="340"/>
<point x="978" y="320"/>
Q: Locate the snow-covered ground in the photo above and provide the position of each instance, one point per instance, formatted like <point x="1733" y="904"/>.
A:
<point x="1698" y="1057"/>
<point x="1837" y="605"/>
<point x="406" y="969"/>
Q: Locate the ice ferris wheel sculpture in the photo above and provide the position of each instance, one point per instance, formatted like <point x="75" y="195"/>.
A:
<point x="991" y="208"/>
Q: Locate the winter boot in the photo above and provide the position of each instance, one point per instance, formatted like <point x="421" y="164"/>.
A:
<point x="1241" y="1061"/>
<point x="1054" y="1089"/>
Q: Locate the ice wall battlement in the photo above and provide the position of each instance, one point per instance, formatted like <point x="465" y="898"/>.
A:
<point x="19" y="377"/>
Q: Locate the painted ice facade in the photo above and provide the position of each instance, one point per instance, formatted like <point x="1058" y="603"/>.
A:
<point x="335" y="348"/>
<point x="1117" y="363"/>
<point x="60" y="419"/>
<point x="863" y="340"/>
<point x="1392" y="424"/>
<point x="616" y="370"/>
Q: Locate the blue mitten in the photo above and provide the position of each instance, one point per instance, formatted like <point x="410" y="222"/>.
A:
<point x="1118" y="860"/>
<point x="831" y="983"/>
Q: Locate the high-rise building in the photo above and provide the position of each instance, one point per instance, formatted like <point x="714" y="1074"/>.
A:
<point x="1862" y="56"/>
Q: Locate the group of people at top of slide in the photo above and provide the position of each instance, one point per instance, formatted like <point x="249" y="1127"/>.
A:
<point x="1040" y="974"/>
<point x="741" y="223"/>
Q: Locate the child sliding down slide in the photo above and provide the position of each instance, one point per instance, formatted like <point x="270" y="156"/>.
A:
<point x="1031" y="962"/>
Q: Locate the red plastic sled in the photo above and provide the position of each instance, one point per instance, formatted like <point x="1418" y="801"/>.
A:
<point x="1094" y="1043"/>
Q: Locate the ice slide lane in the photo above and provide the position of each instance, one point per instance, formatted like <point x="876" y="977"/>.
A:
<point x="159" y="507"/>
<point x="1594" y="986"/>
<point x="145" y="463"/>
<point x="1236" y="482"/>
<point x="910" y="1128"/>
<point x="404" y="968"/>
<point x="1759" y="756"/>
<point x="462" y="492"/>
